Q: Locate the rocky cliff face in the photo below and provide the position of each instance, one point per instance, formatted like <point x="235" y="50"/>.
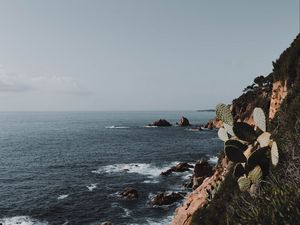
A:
<point x="279" y="92"/>
<point x="198" y="198"/>
<point x="267" y="93"/>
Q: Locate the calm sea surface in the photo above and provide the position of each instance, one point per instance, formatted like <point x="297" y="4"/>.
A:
<point x="67" y="167"/>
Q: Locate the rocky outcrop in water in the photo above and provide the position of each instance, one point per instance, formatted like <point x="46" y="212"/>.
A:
<point x="161" y="123"/>
<point x="180" y="167"/>
<point x="202" y="170"/>
<point x="165" y="198"/>
<point x="198" y="198"/>
<point x="184" y="122"/>
<point x="129" y="193"/>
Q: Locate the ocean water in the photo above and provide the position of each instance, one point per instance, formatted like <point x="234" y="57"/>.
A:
<point x="67" y="167"/>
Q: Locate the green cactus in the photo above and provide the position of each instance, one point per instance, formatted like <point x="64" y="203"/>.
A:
<point x="244" y="183"/>
<point x="244" y="132"/>
<point x="234" y="154"/>
<point x="236" y="144"/>
<point x="239" y="170"/>
<point x="257" y="157"/>
<point x="255" y="175"/>
<point x="223" y="113"/>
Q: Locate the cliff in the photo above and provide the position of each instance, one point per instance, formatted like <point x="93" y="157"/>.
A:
<point x="277" y="202"/>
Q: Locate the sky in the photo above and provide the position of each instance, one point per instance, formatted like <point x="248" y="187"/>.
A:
<point x="65" y="55"/>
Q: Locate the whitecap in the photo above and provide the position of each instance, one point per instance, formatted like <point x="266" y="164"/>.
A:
<point x="146" y="169"/>
<point x="62" y="197"/>
<point x="213" y="160"/>
<point x="149" y="126"/>
<point x="116" y="127"/>
<point x="21" y="220"/>
<point x="91" y="187"/>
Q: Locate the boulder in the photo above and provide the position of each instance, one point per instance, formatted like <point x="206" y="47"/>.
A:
<point x="129" y="193"/>
<point x="107" y="223"/>
<point x="202" y="170"/>
<point x="184" y="122"/>
<point x="180" y="167"/>
<point x="165" y="198"/>
<point x="161" y="123"/>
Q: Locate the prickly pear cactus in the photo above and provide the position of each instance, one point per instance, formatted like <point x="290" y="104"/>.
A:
<point x="223" y="113"/>
<point x="255" y="175"/>
<point x="247" y="147"/>
<point x="244" y="183"/>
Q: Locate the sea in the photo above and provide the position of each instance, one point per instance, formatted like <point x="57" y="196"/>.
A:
<point x="69" y="167"/>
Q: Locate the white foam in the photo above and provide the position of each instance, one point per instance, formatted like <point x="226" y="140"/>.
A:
<point x="62" y="197"/>
<point x="145" y="169"/>
<point x="117" y="127"/>
<point x="148" y="126"/>
<point x="150" y="181"/>
<point x="213" y="160"/>
<point x="91" y="187"/>
<point x="21" y="220"/>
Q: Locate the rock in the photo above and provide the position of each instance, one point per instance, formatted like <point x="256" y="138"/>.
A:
<point x="214" y="123"/>
<point x="184" y="122"/>
<point x="107" y="223"/>
<point x="180" y="167"/>
<point x="202" y="170"/>
<point x="166" y="198"/>
<point x="161" y="123"/>
<point x="129" y="193"/>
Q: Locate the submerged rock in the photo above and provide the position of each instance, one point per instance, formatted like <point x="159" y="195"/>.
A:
<point x="161" y="123"/>
<point x="165" y="198"/>
<point x="129" y="193"/>
<point x="184" y="122"/>
<point x="107" y="223"/>
<point x="180" y="167"/>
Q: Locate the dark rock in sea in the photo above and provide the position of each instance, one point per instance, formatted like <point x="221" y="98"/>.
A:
<point x="189" y="182"/>
<point x="161" y="123"/>
<point x="166" y="198"/>
<point x="104" y="223"/>
<point x="184" y="122"/>
<point x="129" y="193"/>
<point x="180" y="167"/>
<point x="202" y="170"/>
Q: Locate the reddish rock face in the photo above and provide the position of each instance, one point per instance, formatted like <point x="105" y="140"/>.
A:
<point x="279" y="92"/>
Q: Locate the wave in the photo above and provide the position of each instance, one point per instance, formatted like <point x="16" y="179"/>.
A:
<point x="151" y="221"/>
<point x="91" y="187"/>
<point x="117" y="127"/>
<point x="62" y="197"/>
<point x="145" y="169"/>
<point x="148" y="126"/>
<point x="127" y="212"/>
<point x="213" y="160"/>
<point x="21" y="220"/>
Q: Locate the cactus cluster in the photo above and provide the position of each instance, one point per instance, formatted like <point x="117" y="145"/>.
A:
<point x="248" y="147"/>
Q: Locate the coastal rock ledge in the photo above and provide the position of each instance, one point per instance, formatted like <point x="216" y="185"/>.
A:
<point x="197" y="199"/>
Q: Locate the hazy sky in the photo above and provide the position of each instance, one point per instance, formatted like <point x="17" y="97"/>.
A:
<point x="137" y="54"/>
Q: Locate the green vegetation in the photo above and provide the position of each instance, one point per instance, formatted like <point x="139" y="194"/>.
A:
<point x="276" y="200"/>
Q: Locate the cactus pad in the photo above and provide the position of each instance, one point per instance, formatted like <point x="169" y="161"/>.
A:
<point x="239" y="170"/>
<point x="223" y="113"/>
<point x="244" y="183"/>
<point x="222" y="134"/>
<point x="244" y="132"/>
<point x="274" y="154"/>
<point x="234" y="154"/>
<point x="259" y="118"/>
<point x="264" y="139"/>
<point x="255" y="175"/>
<point x="236" y="144"/>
